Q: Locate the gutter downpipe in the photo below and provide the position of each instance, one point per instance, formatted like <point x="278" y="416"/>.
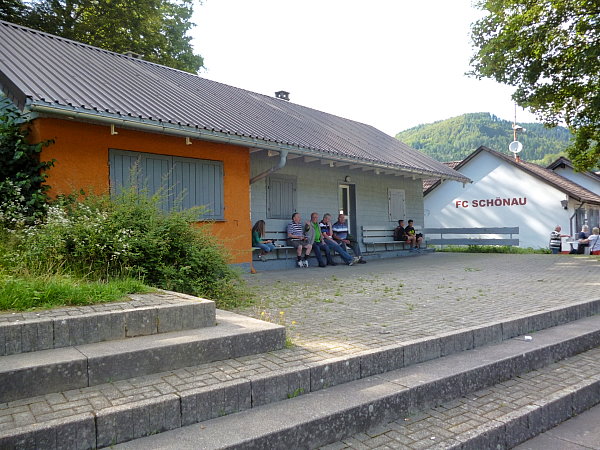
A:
<point x="280" y="165"/>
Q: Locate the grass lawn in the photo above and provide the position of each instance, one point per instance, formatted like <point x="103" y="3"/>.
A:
<point x="27" y="293"/>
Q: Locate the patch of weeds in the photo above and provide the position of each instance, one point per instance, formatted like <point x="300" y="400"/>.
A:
<point x="472" y="269"/>
<point x="410" y="306"/>
<point x="327" y="300"/>
<point x="296" y="393"/>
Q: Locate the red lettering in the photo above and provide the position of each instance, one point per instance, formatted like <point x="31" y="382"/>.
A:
<point x="514" y="202"/>
<point x="506" y="202"/>
<point x="475" y="203"/>
<point x="524" y="202"/>
<point x="490" y="203"/>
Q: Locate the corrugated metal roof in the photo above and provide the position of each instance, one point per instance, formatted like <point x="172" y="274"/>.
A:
<point x="39" y="69"/>
<point x="572" y="189"/>
<point x="428" y="182"/>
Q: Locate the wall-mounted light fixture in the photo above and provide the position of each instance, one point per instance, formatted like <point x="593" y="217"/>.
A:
<point x="347" y="179"/>
<point x="564" y="203"/>
<point x="112" y="129"/>
<point x="188" y="141"/>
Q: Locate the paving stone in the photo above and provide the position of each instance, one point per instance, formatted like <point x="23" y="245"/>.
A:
<point x="427" y="307"/>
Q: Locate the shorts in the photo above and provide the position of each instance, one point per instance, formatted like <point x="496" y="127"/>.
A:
<point x="297" y="243"/>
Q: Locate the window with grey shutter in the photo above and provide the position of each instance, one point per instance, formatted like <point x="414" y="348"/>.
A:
<point x="396" y="201"/>
<point x="199" y="182"/>
<point x="281" y="196"/>
<point x="187" y="182"/>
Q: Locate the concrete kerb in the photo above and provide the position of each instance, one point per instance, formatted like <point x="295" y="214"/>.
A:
<point x="38" y="332"/>
<point x="230" y="397"/>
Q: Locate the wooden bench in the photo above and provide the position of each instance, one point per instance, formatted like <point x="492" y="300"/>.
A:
<point x="383" y="235"/>
<point x="442" y="232"/>
<point x="281" y="245"/>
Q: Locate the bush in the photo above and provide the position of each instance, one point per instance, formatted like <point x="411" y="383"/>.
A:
<point x="128" y="235"/>
<point x="22" y="192"/>
<point x="492" y="249"/>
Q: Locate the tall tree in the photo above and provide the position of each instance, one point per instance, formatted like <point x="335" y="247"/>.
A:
<point x="156" y="29"/>
<point x="550" y="51"/>
<point x="11" y="10"/>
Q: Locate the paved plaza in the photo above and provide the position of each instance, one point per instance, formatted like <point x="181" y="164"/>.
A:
<point x="339" y="311"/>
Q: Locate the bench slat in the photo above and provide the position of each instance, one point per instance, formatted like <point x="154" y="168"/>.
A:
<point x="484" y="230"/>
<point x="475" y="241"/>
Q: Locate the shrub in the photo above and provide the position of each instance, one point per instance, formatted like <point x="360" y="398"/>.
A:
<point x="128" y="235"/>
<point x="22" y="192"/>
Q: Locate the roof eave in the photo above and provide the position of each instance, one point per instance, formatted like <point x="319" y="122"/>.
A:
<point x="175" y="129"/>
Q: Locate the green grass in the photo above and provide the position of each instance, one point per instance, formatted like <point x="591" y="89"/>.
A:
<point x="492" y="249"/>
<point x="27" y="293"/>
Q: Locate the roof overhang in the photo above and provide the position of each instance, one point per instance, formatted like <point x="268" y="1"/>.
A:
<point x="39" y="110"/>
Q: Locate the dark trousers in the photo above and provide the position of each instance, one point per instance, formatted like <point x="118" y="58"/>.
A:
<point x="319" y="247"/>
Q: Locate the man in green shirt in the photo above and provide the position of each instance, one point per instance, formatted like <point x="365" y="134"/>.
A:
<point x="319" y="246"/>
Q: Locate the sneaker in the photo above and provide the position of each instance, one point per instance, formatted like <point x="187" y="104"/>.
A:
<point x="361" y="260"/>
<point x="322" y="265"/>
<point x="355" y="259"/>
<point x="305" y="263"/>
<point x="300" y="263"/>
<point x="332" y="263"/>
<point x="351" y="263"/>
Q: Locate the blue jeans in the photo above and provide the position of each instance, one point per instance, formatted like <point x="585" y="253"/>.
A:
<point x="266" y="247"/>
<point x="319" y="247"/>
<point x="334" y="246"/>
<point x="554" y="250"/>
<point x="353" y="245"/>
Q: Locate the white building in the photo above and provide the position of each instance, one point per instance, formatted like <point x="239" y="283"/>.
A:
<point x="509" y="192"/>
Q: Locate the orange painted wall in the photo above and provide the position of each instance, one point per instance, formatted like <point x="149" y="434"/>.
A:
<point x="81" y="154"/>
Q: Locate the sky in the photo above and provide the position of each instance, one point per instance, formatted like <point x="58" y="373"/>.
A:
<point x="392" y="64"/>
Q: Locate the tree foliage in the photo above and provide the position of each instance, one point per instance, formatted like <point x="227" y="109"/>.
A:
<point x="23" y="196"/>
<point x="156" y="29"/>
<point x="455" y="138"/>
<point x="550" y="51"/>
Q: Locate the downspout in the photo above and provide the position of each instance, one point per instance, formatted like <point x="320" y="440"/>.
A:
<point x="280" y="165"/>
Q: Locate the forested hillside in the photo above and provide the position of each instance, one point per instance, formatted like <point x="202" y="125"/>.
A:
<point x="454" y="139"/>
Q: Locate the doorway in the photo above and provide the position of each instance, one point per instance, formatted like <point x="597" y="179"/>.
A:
<point x="347" y="205"/>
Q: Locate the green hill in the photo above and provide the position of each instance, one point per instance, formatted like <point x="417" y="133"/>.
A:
<point x="454" y="139"/>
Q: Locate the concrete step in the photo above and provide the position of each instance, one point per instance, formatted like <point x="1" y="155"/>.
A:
<point x="126" y="410"/>
<point x="36" y="373"/>
<point x="328" y="415"/>
<point x="504" y="415"/>
<point x="146" y="314"/>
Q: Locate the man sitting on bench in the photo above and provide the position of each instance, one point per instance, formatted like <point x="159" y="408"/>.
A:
<point x="345" y="239"/>
<point x="400" y="232"/>
<point x="414" y="238"/>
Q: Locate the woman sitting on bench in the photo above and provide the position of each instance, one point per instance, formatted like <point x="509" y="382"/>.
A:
<point x="258" y="233"/>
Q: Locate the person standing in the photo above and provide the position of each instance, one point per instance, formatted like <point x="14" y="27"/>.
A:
<point x="555" y="240"/>
<point x="582" y="238"/>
